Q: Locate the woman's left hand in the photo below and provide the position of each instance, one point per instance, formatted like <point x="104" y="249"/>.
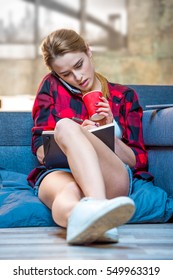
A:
<point x="104" y="110"/>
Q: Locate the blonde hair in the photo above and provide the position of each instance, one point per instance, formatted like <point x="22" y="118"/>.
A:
<point x="60" y="42"/>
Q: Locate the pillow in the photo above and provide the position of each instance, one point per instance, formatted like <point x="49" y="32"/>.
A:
<point x="19" y="206"/>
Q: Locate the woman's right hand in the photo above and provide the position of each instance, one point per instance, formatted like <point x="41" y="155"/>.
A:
<point x="88" y="124"/>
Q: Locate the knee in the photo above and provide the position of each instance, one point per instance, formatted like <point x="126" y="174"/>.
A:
<point x="62" y="125"/>
<point x="65" y="129"/>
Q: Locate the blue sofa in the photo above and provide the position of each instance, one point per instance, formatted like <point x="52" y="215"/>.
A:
<point x="18" y="204"/>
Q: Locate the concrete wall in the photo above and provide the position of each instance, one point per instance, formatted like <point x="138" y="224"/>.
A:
<point x="148" y="58"/>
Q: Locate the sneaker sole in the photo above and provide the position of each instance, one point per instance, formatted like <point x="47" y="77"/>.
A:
<point x="110" y="217"/>
<point x="108" y="238"/>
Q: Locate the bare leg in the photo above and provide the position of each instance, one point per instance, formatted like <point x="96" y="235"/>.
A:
<point x="60" y="193"/>
<point x="97" y="172"/>
<point x="96" y="169"/>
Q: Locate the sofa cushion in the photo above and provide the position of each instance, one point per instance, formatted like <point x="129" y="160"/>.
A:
<point x="15" y="142"/>
<point x="17" y="158"/>
<point x="158" y="138"/>
<point x="160" y="165"/>
<point x="156" y="127"/>
<point x="20" y="207"/>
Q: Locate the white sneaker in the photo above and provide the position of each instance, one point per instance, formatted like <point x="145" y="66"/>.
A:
<point x="110" y="236"/>
<point x="91" y="218"/>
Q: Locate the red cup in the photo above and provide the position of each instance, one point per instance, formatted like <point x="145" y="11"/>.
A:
<point x="90" y="99"/>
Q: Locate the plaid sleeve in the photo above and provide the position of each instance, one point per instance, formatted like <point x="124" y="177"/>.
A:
<point x="42" y="113"/>
<point x="133" y="135"/>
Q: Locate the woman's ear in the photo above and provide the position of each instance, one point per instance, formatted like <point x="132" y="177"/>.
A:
<point x="89" y="51"/>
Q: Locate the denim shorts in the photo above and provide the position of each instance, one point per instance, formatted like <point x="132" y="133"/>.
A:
<point x="130" y="179"/>
<point x="40" y="178"/>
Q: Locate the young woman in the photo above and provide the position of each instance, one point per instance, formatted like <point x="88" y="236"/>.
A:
<point x="91" y="197"/>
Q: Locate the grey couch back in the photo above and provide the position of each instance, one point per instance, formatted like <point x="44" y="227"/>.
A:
<point x="15" y="139"/>
<point x="150" y="95"/>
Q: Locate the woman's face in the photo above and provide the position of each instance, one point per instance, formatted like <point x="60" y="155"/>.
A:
<point x="76" y="69"/>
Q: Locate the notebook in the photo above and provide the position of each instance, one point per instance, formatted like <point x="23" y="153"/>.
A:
<point x="54" y="156"/>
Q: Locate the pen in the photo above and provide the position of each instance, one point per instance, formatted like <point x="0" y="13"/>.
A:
<point x="77" y="120"/>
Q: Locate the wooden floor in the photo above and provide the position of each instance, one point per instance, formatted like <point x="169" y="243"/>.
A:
<point x="146" y="241"/>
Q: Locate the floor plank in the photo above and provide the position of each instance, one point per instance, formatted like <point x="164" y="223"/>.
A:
<point x="146" y="241"/>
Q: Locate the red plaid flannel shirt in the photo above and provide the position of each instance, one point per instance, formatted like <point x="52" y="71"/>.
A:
<point x="54" y="101"/>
